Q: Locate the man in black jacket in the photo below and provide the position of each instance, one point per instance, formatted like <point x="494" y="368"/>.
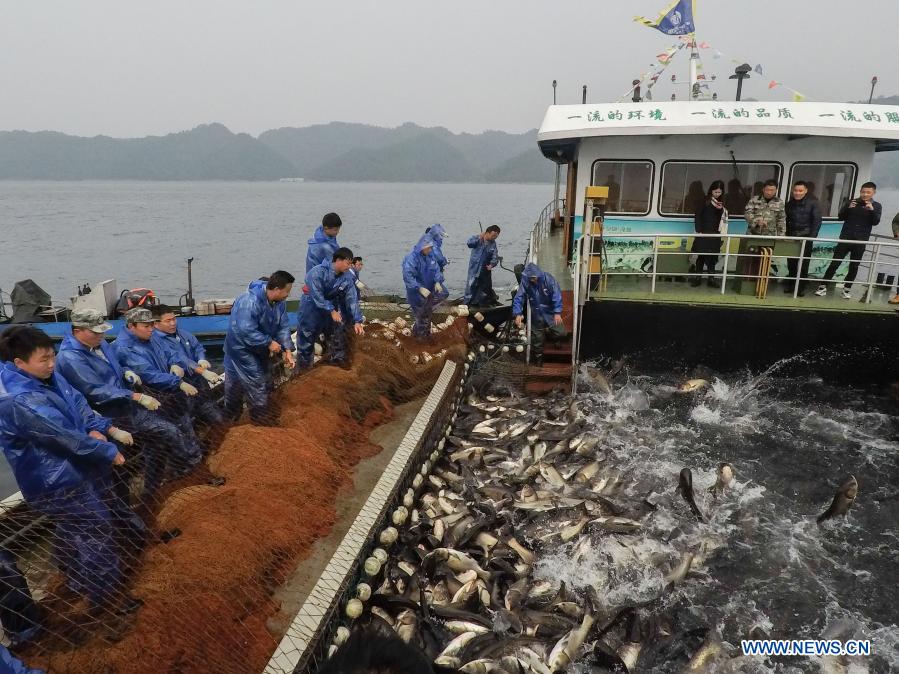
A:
<point x="803" y="219"/>
<point x="859" y="217"/>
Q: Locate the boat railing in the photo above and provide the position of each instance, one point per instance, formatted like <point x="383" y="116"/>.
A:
<point x="543" y="226"/>
<point x="742" y="257"/>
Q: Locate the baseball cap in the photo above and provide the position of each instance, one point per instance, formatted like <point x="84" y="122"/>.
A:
<point x="138" y="315"/>
<point x="91" y="319"/>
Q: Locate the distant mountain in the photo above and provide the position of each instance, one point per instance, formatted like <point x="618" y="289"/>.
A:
<point x="329" y="152"/>
<point x="209" y="152"/>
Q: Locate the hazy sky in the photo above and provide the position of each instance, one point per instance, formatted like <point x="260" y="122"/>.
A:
<point x="130" y="68"/>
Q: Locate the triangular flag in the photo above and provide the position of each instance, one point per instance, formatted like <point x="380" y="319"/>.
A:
<point x="773" y="84"/>
<point x="717" y="54"/>
<point x="704" y="45"/>
<point x="798" y="97"/>
<point x="758" y="69"/>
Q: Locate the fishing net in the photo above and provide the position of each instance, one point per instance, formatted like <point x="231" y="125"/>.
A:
<point x="216" y="571"/>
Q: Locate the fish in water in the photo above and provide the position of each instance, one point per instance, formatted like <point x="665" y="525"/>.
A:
<point x="842" y="500"/>
<point x="693" y="385"/>
<point x="685" y="487"/>
<point x="725" y="477"/>
<point x="599" y="379"/>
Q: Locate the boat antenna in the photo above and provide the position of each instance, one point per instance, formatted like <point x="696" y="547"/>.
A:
<point x="873" y="84"/>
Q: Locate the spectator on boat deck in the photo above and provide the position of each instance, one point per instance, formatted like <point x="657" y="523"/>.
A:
<point x="859" y="217"/>
<point x="137" y="352"/>
<point x="61" y="458"/>
<point x="329" y="308"/>
<point x="185" y="351"/>
<point x="543" y="296"/>
<point x="765" y="212"/>
<point x="258" y="329"/>
<point x="710" y="216"/>
<point x="323" y="243"/>
<point x="424" y="285"/>
<point x="735" y="200"/>
<point x="92" y="367"/>
<point x="803" y="219"/>
<point x="438" y="233"/>
<point x="484" y="257"/>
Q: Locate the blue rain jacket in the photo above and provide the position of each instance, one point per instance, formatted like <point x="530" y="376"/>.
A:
<point x="254" y="324"/>
<point x="328" y="291"/>
<point x="544" y="297"/>
<point x="437" y="232"/>
<point x="9" y="664"/>
<point x="422" y="271"/>
<point x="321" y="248"/>
<point x="44" y="433"/>
<point x="101" y="382"/>
<point x="482" y="254"/>
<point x="147" y="359"/>
<point x="181" y="348"/>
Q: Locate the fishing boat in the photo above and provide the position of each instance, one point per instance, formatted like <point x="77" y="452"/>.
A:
<point x="620" y="239"/>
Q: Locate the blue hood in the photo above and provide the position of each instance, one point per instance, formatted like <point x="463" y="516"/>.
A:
<point x="319" y="236"/>
<point x="257" y="288"/>
<point x="437" y="232"/>
<point x="531" y="269"/>
<point x="425" y="241"/>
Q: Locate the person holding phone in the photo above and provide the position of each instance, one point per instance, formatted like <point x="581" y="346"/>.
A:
<point x="859" y="217"/>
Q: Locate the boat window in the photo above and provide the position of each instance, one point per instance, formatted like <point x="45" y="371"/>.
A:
<point x="629" y="183"/>
<point x="830" y="183"/>
<point x="685" y="183"/>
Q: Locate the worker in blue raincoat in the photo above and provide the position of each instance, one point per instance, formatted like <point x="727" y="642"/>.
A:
<point x="18" y="613"/>
<point x="329" y="308"/>
<point x="137" y="352"/>
<point x="59" y="453"/>
<point x="323" y="243"/>
<point x="258" y="329"/>
<point x="540" y="291"/>
<point x="484" y="257"/>
<point x="92" y="367"/>
<point x="424" y="285"/>
<point x="438" y="233"/>
<point x="185" y="350"/>
<point x="10" y="664"/>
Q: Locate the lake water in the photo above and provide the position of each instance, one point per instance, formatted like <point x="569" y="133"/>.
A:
<point x="64" y="233"/>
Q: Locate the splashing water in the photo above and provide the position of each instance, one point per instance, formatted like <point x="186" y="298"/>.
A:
<point x="761" y="560"/>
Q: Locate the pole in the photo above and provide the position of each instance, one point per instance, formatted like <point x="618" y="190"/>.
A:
<point x="739" y="88"/>
<point x="694" y="69"/>
<point x="190" y="282"/>
<point x="584" y="98"/>
<point x="554" y="91"/>
<point x="873" y="84"/>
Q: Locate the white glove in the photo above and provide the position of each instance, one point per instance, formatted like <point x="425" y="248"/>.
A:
<point x="205" y="364"/>
<point x="187" y="389"/>
<point x="133" y="378"/>
<point x="438" y="288"/>
<point x="177" y="370"/>
<point x="122" y="436"/>
<point x="149" y="402"/>
<point x="210" y="376"/>
<point x="424" y="292"/>
<point x="360" y="285"/>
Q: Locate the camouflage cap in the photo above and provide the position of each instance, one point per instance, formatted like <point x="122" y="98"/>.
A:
<point x="138" y="315"/>
<point x="91" y="319"/>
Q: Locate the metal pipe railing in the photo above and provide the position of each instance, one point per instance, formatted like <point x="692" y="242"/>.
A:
<point x="881" y="253"/>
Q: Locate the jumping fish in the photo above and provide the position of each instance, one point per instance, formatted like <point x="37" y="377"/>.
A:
<point x="842" y="499"/>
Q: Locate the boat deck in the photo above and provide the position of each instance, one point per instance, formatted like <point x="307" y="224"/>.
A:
<point x="629" y="286"/>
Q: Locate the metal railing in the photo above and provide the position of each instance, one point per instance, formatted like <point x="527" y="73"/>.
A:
<point x="666" y="256"/>
<point x="540" y="231"/>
